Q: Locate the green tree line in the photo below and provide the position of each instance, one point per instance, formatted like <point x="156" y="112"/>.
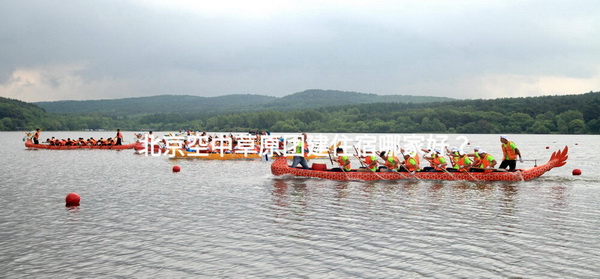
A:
<point x="568" y="114"/>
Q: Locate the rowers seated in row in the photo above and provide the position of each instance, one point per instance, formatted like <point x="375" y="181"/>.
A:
<point x="371" y="163"/>
<point x="484" y="162"/>
<point x="437" y="162"/>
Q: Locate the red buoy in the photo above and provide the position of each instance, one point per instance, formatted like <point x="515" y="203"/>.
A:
<point x="547" y="147"/>
<point x="576" y="172"/>
<point x="176" y="168"/>
<point x="72" y="199"/>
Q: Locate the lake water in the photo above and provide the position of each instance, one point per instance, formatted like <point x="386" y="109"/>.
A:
<point x="234" y="219"/>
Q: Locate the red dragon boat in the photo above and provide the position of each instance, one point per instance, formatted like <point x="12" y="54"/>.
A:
<point x="558" y="159"/>
<point x="29" y="144"/>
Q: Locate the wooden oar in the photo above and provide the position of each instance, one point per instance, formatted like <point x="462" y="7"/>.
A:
<point x="446" y="171"/>
<point x="342" y="167"/>
<point x="357" y="155"/>
<point x="404" y="167"/>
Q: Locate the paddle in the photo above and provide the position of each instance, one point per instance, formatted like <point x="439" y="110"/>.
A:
<point x="342" y="167"/>
<point x="361" y="162"/>
<point x="405" y="168"/>
<point x="446" y="171"/>
<point x="392" y="169"/>
<point x="331" y="160"/>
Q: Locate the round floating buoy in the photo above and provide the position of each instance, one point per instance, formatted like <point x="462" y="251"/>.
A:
<point x="576" y="172"/>
<point x="576" y="143"/>
<point x="176" y="168"/>
<point x="547" y="147"/>
<point x="72" y="199"/>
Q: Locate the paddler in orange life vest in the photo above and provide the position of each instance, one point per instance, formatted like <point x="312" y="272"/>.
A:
<point x="119" y="137"/>
<point x="464" y="163"/>
<point x="476" y="159"/>
<point x="410" y="164"/>
<point x="343" y="161"/>
<point x="390" y="161"/>
<point x="487" y="162"/>
<point x="509" y="154"/>
<point x="371" y="161"/>
<point x="437" y="161"/>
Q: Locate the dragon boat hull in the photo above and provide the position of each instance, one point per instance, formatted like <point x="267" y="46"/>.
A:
<point x="29" y="144"/>
<point x="558" y="159"/>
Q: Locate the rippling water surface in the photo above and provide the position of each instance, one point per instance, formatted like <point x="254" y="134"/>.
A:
<point x="234" y="219"/>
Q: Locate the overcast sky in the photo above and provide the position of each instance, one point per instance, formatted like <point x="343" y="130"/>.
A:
<point x="103" y="49"/>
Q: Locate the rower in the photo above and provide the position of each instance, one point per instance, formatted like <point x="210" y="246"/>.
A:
<point x="410" y="164"/>
<point x="454" y="156"/>
<point x="437" y="161"/>
<point x="390" y="161"/>
<point x="476" y="157"/>
<point x="464" y="162"/>
<point x="371" y="161"/>
<point x="487" y="162"/>
<point x="343" y="161"/>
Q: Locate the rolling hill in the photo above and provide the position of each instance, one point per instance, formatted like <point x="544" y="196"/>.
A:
<point x="309" y="99"/>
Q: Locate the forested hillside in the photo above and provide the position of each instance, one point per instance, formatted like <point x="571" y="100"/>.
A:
<point x="18" y="115"/>
<point x="208" y="106"/>
<point x="568" y="114"/>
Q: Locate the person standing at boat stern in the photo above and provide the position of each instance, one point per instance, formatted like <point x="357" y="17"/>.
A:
<point x="119" y="137"/>
<point x="301" y="148"/>
<point x="36" y="136"/>
<point x="509" y="154"/>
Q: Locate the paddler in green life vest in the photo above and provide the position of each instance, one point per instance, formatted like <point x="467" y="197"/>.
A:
<point x="437" y="161"/>
<point x="371" y="162"/>
<point x="487" y="162"/>
<point x="509" y="154"/>
<point x="463" y="163"/>
<point x="476" y="157"/>
<point x="343" y="161"/>
<point x="390" y="161"/>
<point x="454" y="156"/>
<point x="410" y="164"/>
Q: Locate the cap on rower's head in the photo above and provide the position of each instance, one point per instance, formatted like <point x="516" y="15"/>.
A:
<point x="476" y="148"/>
<point x="481" y="152"/>
<point x="437" y="150"/>
<point x="504" y="137"/>
<point x="454" y="149"/>
<point x="461" y="153"/>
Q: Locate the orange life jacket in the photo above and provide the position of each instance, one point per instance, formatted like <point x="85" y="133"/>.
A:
<point x="409" y="165"/>
<point x="509" y="153"/>
<point x="461" y="162"/>
<point x="437" y="160"/>
<point x="371" y="163"/>
<point x="342" y="160"/>
<point x="484" y="161"/>
<point x="391" y="163"/>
